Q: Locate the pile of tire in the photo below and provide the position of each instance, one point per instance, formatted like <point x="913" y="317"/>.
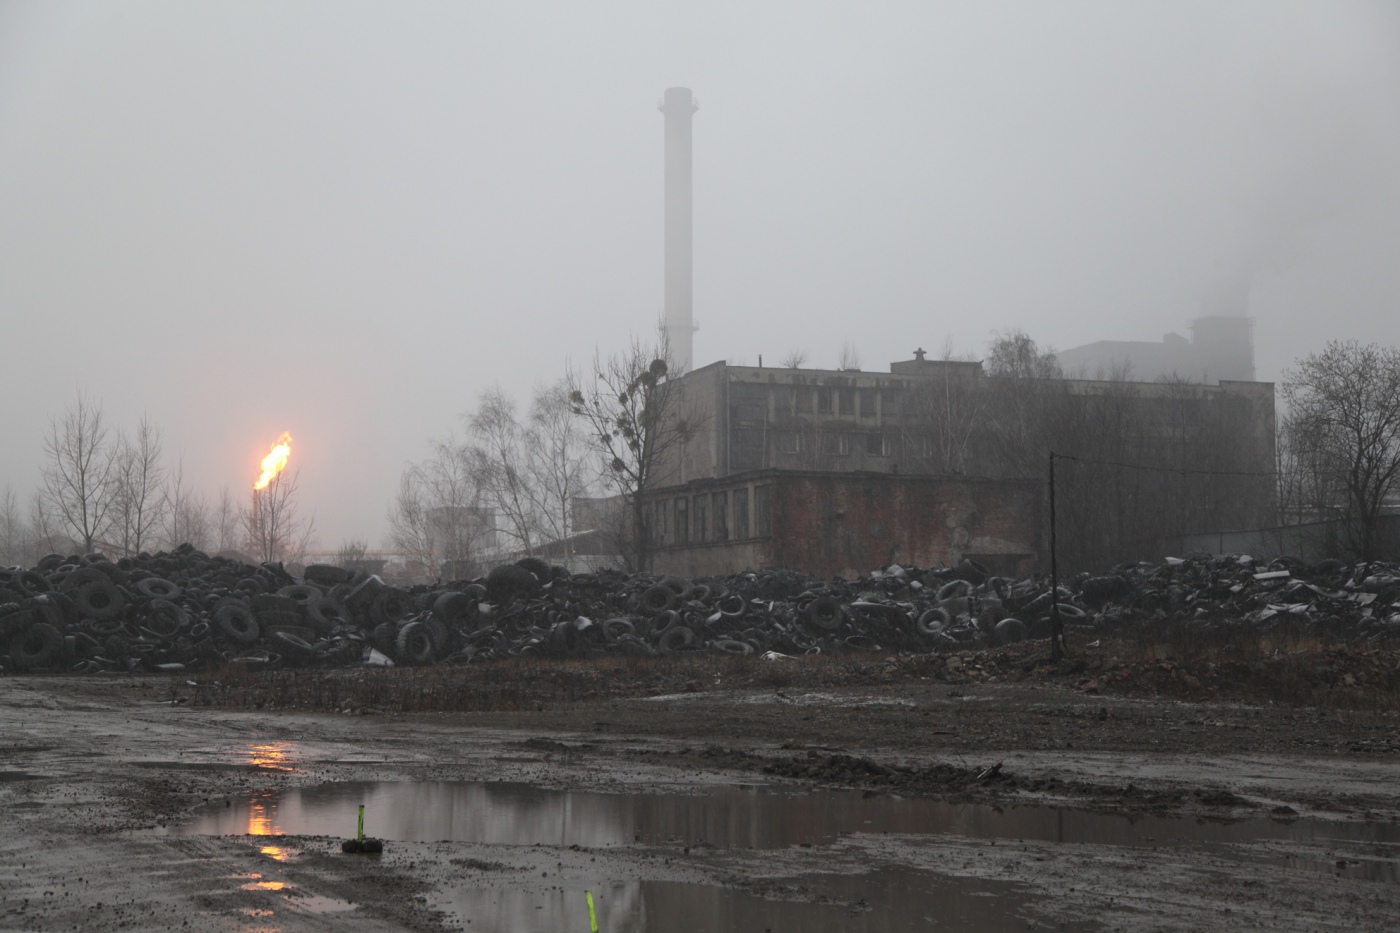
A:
<point x="188" y="611"/>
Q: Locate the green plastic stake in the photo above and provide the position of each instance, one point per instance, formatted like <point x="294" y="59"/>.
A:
<point x="360" y="833"/>
<point x="592" y="917"/>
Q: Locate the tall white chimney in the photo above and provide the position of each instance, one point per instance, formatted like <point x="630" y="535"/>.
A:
<point x="678" y="105"/>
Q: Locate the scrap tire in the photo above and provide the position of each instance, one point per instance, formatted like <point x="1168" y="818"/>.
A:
<point x="158" y="588"/>
<point x="385" y="637"/>
<point x="40" y="645"/>
<point x="237" y="621"/>
<point x="675" y="638"/>
<point x="933" y="622"/>
<point x="825" y="613"/>
<point x="98" y="599"/>
<point x="415" y="644"/>
<point x="1010" y="630"/>
<point x="507" y="581"/>
<point x="658" y="599"/>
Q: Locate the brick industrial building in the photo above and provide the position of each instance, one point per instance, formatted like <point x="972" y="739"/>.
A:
<point x="838" y="472"/>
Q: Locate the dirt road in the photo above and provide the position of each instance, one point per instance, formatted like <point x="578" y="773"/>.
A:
<point x="92" y="768"/>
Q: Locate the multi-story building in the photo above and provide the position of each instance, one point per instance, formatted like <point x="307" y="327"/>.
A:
<point x="841" y="471"/>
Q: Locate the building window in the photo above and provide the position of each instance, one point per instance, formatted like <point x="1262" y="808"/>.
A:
<point x="782" y="401"/>
<point x="848" y="401"/>
<point x="682" y="521"/>
<point x="802" y="400"/>
<point x="843" y="444"/>
<point x="662" y="513"/>
<point x="763" y="511"/>
<point x="720" y="501"/>
<point x="701" y="526"/>
<point x="741" y="512"/>
<point x="876" y="445"/>
<point x="824" y="400"/>
<point x="789" y="442"/>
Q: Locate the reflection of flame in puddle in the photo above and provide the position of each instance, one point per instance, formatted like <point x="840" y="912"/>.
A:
<point x="256" y="912"/>
<point x="265" y="886"/>
<point x="276" y="853"/>
<point x="275" y="756"/>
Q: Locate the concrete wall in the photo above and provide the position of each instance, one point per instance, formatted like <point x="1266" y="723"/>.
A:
<point x="842" y="524"/>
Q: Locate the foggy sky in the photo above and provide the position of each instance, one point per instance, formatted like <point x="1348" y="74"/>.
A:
<point x="345" y="220"/>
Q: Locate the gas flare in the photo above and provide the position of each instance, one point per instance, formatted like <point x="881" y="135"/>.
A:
<point x="275" y="461"/>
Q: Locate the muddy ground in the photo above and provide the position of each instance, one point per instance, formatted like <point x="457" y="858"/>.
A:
<point x="89" y="766"/>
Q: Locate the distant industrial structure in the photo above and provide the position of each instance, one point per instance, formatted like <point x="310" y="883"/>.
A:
<point x="1221" y="349"/>
<point x="679" y="106"/>
<point x="836" y="472"/>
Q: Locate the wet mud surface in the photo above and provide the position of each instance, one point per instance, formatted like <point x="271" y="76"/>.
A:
<point x="906" y="805"/>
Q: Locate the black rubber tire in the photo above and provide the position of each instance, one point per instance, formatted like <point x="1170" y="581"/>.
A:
<point x="675" y="638"/>
<point x="391" y="605"/>
<point x="1010" y="630"/>
<point x="235" y="620"/>
<point x="98" y="599"/>
<point x="157" y="588"/>
<point x="538" y="567"/>
<point x="826" y="613"/>
<point x="300" y="592"/>
<point x="508" y="581"/>
<point x="933" y="622"/>
<point x="731" y="646"/>
<point x="657" y="599"/>
<point x="164" y="618"/>
<point x="326" y="614"/>
<point x="385" y="637"/>
<point x="40" y="645"/>
<point x="414" y="644"/>
<point x="456" y="610"/>
<point x="293" y="646"/>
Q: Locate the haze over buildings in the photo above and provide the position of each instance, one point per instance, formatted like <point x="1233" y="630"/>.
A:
<point x="345" y="220"/>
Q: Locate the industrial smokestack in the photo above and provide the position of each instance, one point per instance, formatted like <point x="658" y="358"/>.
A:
<point x="678" y="105"/>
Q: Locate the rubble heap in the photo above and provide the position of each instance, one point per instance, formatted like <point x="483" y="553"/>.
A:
<point x="187" y="610"/>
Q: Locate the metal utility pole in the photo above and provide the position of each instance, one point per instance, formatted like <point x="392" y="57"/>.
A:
<point x="1056" y="632"/>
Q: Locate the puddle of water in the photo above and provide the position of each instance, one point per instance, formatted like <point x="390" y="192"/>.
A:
<point x="17" y="776"/>
<point x="319" y="904"/>
<point x="723" y="817"/>
<point x="885" y="900"/>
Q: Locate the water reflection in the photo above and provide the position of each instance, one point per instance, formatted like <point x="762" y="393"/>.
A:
<point x="272" y="756"/>
<point x="888" y="900"/>
<point x="725" y="817"/>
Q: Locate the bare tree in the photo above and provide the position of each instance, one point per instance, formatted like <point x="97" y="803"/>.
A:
<point x="559" y="463"/>
<point x="1344" y="423"/>
<point x="138" y="478"/>
<point x="638" y="420"/>
<point x="228" y="522"/>
<point x="1013" y="353"/>
<point x="795" y="359"/>
<point x="14" y="545"/>
<point x="850" y="357"/>
<point x="78" y="477"/>
<point x="275" y="530"/>
<point x="499" y="461"/>
<point x="186" y="512"/>
<point x="44" y="534"/>
<point x="437" y="517"/>
<point x="351" y="552"/>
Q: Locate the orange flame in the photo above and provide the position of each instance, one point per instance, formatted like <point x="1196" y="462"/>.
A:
<point x="275" y="460"/>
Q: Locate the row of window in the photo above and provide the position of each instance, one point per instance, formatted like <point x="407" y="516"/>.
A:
<point x="705" y="518"/>
<point x="875" y="444"/>
<point x="750" y="405"/>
